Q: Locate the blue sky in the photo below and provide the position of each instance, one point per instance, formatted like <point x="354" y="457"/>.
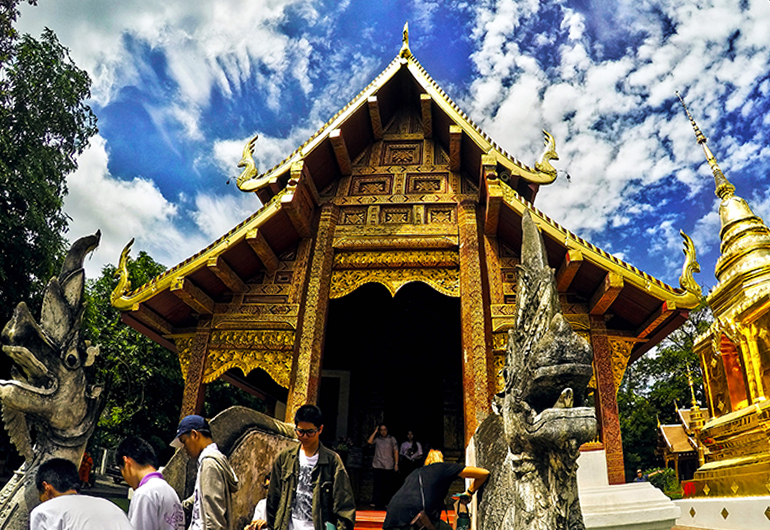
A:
<point x="180" y="86"/>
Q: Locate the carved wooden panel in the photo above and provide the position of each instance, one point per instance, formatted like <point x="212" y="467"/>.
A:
<point x="353" y="216"/>
<point x="405" y="153"/>
<point x="395" y="215"/>
<point x="426" y="183"/>
<point x="371" y="185"/>
<point x="441" y="214"/>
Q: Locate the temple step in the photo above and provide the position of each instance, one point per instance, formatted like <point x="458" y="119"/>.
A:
<point x="368" y="519"/>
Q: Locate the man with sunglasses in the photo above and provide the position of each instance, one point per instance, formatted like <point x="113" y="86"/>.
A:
<point x="309" y="487"/>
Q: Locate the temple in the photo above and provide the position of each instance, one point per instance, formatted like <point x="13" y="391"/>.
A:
<point x="378" y="278"/>
<point x="735" y="352"/>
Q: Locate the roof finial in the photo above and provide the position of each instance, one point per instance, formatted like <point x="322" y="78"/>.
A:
<point x="405" y="52"/>
<point x="695" y="405"/>
<point x="724" y="189"/>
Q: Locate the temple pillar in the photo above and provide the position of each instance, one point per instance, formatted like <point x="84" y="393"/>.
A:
<point x="476" y="337"/>
<point x="607" y="400"/>
<point x="308" y="352"/>
<point x="194" y="389"/>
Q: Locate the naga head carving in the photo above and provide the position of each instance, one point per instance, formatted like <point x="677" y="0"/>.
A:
<point x="51" y="389"/>
<point x="547" y="364"/>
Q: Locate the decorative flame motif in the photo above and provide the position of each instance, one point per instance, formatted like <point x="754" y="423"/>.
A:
<point x="549" y="153"/>
<point x="124" y="284"/>
<point x="247" y="162"/>
<point x="691" y="266"/>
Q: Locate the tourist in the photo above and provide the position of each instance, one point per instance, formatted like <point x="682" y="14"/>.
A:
<point x="259" y="520"/>
<point x="63" y="508"/>
<point x="640" y="477"/>
<point x="409" y="455"/>
<point x="215" y="483"/>
<point x="425" y="490"/>
<point x="384" y="464"/>
<point x="309" y="487"/>
<point x="154" y="505"/>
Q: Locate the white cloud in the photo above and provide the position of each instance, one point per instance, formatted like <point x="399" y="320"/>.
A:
<point x="217" y="215"/>
<point x="123" y="210"/>
<point x="610" y="116"/>
<point x="205" y="45"/>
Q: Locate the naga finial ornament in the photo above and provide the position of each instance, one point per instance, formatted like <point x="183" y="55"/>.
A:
<point x="247" y="162"/>
<point x="549" y="153"/>
<point x="121" y="273"/>
<point x="51" y="391"/>
<point x="691" y="266"/>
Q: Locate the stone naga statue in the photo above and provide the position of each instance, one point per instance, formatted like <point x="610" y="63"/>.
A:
<point x="531" y="441"/>
<point x="50" y="406"/>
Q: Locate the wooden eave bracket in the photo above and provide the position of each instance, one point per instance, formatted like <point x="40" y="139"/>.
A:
<point x="187" y="292"/>
<point x="222" y="270"/>
<point x="150" y="318"/>
<point x="490" y="188"/>
<point x="374" y="115"/>
<point x="426" y="106"/>
<point x="568" y="269"/>
<point x="656" y="319"/>
<point x="262" y="249"/>
<point x="341" y="152"/>
<point x="302" y="178"/>
<point x="607" y="292"/>
<point x="455" y="142"/>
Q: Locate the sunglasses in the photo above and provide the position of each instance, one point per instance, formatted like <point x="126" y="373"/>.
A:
<point x="305" y="432"/>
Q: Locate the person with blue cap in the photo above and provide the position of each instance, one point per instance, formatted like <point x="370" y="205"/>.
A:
<point x="211" y="501"/>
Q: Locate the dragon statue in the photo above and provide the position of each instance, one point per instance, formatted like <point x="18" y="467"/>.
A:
<point x="51" y="405"/>
<point x="531" y="441"/>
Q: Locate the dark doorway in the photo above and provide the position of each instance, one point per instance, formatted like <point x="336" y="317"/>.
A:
<point x="403" y="354"/>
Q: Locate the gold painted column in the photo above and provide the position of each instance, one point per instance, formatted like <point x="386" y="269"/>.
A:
<point x="476" y="342"/>
<point x="194" y="389"/>
<point x="607" y="400"/>
<point x="306" y="368"/>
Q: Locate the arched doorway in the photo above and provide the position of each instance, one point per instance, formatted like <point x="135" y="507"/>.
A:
<point x="396" y="359"/>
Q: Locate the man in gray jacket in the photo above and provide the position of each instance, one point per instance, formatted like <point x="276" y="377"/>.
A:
<point x="216" y="481"/>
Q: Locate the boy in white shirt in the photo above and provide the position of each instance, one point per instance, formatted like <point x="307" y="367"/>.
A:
<point x="154" y="505"/>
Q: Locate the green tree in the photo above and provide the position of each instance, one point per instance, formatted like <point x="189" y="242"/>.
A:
<point x="44" y="125"/>
<point x="144" y="381"/>
<point x="654" y="385"/>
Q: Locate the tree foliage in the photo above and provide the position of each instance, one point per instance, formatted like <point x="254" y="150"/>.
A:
<point x="44" y="125"/>
<point x="655" y="385"/>
<point x="144" y="380"/>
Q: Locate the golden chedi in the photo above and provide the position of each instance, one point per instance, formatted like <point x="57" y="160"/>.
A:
<point x="735" y="353"/>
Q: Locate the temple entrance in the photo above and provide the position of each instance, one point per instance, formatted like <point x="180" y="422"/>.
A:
<point x="397" y="360"/>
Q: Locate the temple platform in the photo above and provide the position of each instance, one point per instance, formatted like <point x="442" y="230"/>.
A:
<point x="634" y="506"/>
<point x="724" y="513"/>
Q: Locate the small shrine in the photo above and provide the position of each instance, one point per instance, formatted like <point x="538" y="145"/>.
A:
<point x="378" y="277"/>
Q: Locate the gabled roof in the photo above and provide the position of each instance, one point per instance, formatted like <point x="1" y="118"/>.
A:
<point x="676" y="439"/>
<point x="637" y="304"/>
<point x="382" y="98"/>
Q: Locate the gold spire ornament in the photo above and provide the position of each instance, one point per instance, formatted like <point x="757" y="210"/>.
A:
<point x="405" y="51"/>
<point x="724" y="189"/>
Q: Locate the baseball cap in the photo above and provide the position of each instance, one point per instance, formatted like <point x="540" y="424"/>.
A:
<point x="189" y="423"/>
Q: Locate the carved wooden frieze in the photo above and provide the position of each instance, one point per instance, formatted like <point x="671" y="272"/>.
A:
<point x="270" y="350"/>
